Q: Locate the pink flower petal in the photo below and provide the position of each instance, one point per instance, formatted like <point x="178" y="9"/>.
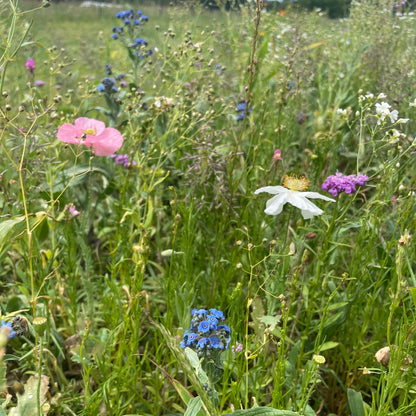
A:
<point x="68" y="133"/>
<point x="89" y="126"/>
<point x="109" y="142"/>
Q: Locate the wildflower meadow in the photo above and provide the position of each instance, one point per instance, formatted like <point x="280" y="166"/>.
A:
<point x="207" y="208"/>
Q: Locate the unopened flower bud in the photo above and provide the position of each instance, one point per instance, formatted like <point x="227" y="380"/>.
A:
<point x="39" y="325"/>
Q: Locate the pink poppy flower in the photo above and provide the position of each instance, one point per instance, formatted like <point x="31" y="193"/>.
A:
<point x="89" y="132"/>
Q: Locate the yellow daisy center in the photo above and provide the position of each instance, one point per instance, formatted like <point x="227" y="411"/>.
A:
<point x="294" y="183"/>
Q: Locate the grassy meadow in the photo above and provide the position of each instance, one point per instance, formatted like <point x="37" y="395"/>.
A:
<point x="146" y="278"/>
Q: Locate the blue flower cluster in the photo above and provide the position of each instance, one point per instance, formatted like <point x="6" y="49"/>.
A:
<point x="130" y="17"/>
<point x="242" y="108"/>
<point x="205" y="333"/>
<point x="12" y="333"/>
<point x="108" y="85"/>
<point x="128" y="34"/>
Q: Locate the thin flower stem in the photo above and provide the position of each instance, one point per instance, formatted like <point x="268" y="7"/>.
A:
<point x="38" y="390"/>
<point x="252" y="65"/>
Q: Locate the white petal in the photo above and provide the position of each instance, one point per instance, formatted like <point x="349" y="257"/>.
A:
<point x="308" y="209"/>
<point x="316" y="195"/>
<point x="272" y="190"/>
<point x="274" y="205"/>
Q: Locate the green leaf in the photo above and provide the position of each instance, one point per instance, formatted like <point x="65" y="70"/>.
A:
<point x="270" y="321"/>
<point x="336" y="306"/>
<point x="194" y="406"/>
<point x="355" y="401"/>
<point x="192" y="357"/>
<point x="6" y="227"/>
<point x="260" y="411"/>
<point x="196" y="364"/>
<point x="413" y="293"/>
<point x="328" y="346"/>
<point x="184" y="394"/>
<point x="73" y="176"/>
<point x="149" y="216"/>
<point x="27" y="403"/>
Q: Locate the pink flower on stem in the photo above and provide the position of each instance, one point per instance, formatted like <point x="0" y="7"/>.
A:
<point x="30" y="66"/>
<point x="89" y="132"/>
<point x="237" y="348"/>
<point x="277" y="155"/>
<point x="72" y="210"/>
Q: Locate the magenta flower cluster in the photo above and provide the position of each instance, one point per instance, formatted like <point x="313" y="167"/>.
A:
<point x="338" y="183"/>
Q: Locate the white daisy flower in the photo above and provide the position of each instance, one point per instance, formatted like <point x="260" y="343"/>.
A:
<point x="292" y="193"/>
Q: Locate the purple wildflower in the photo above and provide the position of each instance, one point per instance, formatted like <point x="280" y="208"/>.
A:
<point x="237" y="348"/>
<point x="338" y="183"/>
<point x="39" y="83"/>
<point x="123" y="160"/>
<point x="30" y="66"/>
<point x="72" y="210"/>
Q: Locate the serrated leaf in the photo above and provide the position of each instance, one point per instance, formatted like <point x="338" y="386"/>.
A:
<point x="270" y="321"/>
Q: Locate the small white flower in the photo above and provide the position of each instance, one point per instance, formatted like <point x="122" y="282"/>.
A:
<point x="413" y="104"/>
<point x="402" y="120"/>
<point x="292" y="193"/>
<point x="381" y="96"/>
<point x="395" y="136"/>
<point x="342" y="112"/>
<point x="383" y="111"/>
<point x="394" y="116"/>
